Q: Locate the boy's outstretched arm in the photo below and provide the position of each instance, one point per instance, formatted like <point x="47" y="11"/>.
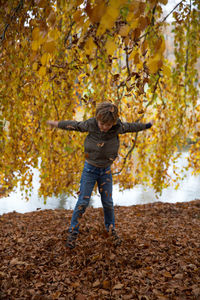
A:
<point x="52" y="123"/>
<point x="82" y="126"/>
<point x="134" y="126"/>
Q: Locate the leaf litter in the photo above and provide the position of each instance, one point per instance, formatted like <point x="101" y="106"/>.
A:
<point x="159" y="257"/>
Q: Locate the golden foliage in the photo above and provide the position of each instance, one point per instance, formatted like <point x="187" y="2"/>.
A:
<point x="57" y="61"/>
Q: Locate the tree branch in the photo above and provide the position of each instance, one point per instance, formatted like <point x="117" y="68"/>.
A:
<point x="69" y="32"/>
<point x="127" y="155"/>
<point x="151" y="26"/>
<point x="154" y="90"/>
<point x="152" y="98"/>
<point x="127" y="62"/>
<point x="165" y="18"/>
<point x="188" y="42"/>
<point x="55" y="103"/>
<point x="153" y="13"/>
<point x="152" y="21"/>
<point x="134" y="143"/>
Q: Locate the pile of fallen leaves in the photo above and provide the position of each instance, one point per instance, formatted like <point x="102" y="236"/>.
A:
<point x="159" y="257"/>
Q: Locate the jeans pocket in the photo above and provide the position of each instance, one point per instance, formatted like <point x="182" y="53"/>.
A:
<point x="89" y="168"/>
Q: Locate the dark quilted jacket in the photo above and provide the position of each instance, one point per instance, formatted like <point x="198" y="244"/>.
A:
<point x="101" y="148"/>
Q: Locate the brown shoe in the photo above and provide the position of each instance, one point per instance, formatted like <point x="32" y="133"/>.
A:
<point x="71" y="240"/>
<point x="117" y="239"/>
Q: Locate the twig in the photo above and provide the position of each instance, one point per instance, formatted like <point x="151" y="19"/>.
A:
<point x="152" y="98"/>
<point x="38" y="128"/>
<point x="188" y="43"/>
<point x="153" y="13"/>
<point x="161" y="94"/>
<point x="2" y="37"/>
<point x="62" y="66"/>
<point x="171" y="11"/>
<point x="105" y="85"/>
<point x="134" y="144"/>
<point x="154" y="90"/>
<point x="31" y="145"/>
<point x="150" y="28"/>
<point x="187" y="57"/>
<point x="164" y="19"/>
<point x="127" y="155"/>
<point x="68" y="34"/>
<point x="55" y="103"/>
<point x="127" y="62"/>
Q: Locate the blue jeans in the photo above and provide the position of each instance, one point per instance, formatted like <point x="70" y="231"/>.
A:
<point x="90" y="176"/>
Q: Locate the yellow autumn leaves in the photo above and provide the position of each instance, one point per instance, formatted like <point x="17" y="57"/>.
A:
<point x="110" y="46"/>
<point x="155" y="61"/>
<point x="46" y="42"/>
<point x="41" y="36"/>
<point x="45" y="39"/>
<point x="73" y="55"/>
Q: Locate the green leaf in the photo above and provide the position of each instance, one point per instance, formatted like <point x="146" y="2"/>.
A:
<point x="68" y="149"/>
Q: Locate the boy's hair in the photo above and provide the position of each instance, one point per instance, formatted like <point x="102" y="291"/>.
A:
<point x="106" y="112"/>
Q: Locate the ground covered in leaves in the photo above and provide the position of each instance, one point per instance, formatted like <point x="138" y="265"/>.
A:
<point x="159" y="257"/>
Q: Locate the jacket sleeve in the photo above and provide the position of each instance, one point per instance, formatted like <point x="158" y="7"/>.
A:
<point x="82" y="126"/>
<point x="133" y="127"/>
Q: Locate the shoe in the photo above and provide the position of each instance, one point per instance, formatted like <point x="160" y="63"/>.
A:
<point x="117" y="239"/>
<point x="71" y="240"/>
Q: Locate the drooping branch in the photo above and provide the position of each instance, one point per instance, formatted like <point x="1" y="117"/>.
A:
<point x="54" y="103"/>
<point x="68" y="34"/>
<point x="127" y="155"/>
<point x="165" y="18"/>
<point x="153" y="15"/>
<point x="152" y="98"/>
<point x="152" y="21"/>
<point x="188" y="42"/>
<point x="19" y="6"/>
<point x="2" y="37"/>
<point x="154" y="90"/>
<point x="127" y="62"/>
<point x="138" y="120"/>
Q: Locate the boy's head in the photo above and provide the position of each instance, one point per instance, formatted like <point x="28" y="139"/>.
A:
<point x="106" y="115"/>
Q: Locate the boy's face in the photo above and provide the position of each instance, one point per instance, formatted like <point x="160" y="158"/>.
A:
<point x="104" y="127"/>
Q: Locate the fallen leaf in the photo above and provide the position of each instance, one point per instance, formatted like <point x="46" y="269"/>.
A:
<point x="96" y="283"/>
<point x="106" y="284"/>
<point x="118" y="286"/>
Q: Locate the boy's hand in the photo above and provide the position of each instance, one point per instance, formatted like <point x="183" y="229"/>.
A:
<point x="52" y="123"/>
<point x="149" y="124"/>
<point x="152" y="121"/>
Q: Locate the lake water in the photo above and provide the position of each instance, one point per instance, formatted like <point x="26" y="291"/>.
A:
<point x="189" y="190"/>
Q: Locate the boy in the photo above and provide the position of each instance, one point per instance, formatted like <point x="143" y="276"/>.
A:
<point x="101" y="149"/>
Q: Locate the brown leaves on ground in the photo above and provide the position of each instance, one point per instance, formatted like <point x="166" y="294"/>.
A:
<point x="158" y="258"/>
